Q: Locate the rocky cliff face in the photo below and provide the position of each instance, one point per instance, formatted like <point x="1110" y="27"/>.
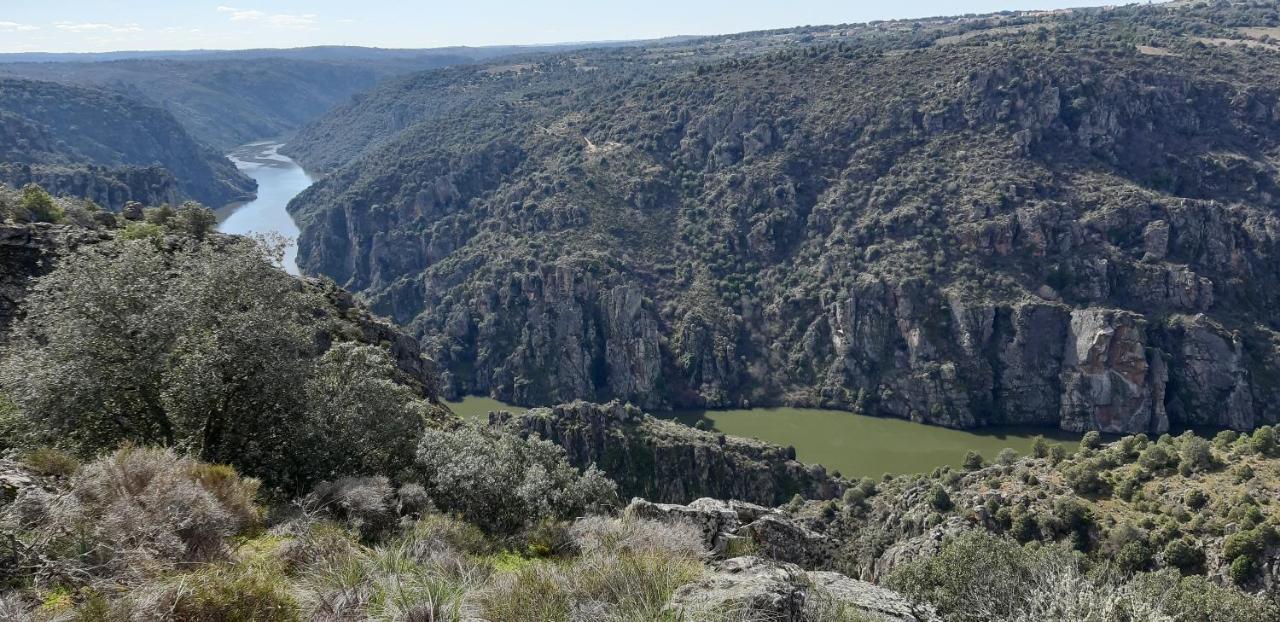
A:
<point x="111" y="188"/>
<point x="28" y="251"/>
<point x="1064" y="232"/>
<point x="668" y="462"/>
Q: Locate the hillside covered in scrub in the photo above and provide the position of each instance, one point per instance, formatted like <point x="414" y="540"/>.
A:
<point x="191" y="434"/>
<point x="1057" y="219"/>
<point x="90" y="143"/>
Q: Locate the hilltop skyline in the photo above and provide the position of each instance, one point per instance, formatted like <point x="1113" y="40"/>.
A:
<point x="84" y="26"/>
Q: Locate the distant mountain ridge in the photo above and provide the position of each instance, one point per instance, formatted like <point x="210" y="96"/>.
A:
<point x="229" y="98"/>
<point x="90" y="142"/>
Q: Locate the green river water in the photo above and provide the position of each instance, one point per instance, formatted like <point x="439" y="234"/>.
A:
<point x="855" y="445"/>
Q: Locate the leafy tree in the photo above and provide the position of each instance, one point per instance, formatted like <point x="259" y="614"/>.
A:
<point x="502" y="482"/>
<point x="208" y="350"/>
<point x="1039" y="446"/>
<point x="194" y="220"/>
<point x="360" y="420"/>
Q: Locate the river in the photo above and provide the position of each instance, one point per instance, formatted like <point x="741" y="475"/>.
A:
<point x="279" y="180"/>
<point x="855" y="445"/>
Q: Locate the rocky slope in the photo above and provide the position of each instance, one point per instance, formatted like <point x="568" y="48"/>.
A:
<point x="111" y="143"/>
<point x="1043" y="222"/>
<point x="669" y="462"/>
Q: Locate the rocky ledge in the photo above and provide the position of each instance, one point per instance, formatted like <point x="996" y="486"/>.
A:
<point x="762" y="590"/>
<point x="669" y="462"/>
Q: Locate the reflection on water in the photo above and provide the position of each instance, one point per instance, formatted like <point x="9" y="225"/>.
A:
<point x="279" y="180"/>
<point x="855" y="445"/>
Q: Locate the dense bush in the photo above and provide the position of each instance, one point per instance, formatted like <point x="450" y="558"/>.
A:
<point x="367" y="505"/>
<point x="133" y="512"/>
<point x="503" y="482"/>
<point x="208" y="349"/>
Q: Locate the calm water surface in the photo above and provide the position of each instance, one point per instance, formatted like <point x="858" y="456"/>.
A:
<point x="855" y="445"/>
<point x="279" y="180"/>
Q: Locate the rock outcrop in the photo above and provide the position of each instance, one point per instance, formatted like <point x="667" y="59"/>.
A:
<point x="111" y="188"/>
<point x="29" y="251"/>
<point x="669" y="462"/>
<point x="730" y="527"/>
<point x="758" y="590"/>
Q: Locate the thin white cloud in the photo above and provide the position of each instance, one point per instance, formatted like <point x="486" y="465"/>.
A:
<point x="306" y="21"/>
<point x="97" y="27"/>
<point x="15" y="26"/>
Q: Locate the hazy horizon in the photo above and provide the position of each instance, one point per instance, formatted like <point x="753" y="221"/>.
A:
<point x="83" y="26"/>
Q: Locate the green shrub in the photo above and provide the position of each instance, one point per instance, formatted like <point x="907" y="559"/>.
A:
<point x="1040" y="446"/>
<point x="257" y="592"/>
<point x="159" y="215"/>
<point x="1007" y="456"/>
<point x="1196" y="454"/>
<point x="502" y="482"/>
<point x="1156" y="458"/>
<point x="973" y="461"/>
<point x="1243" y="570"/>
<point x="939" y="499"/>
<point x="1184" y="556"/>
<point x="51" y="462"/>
<point x="37" y="206"/>
<point x="1134" y="556"/>
<point x="977" y="577"/>
<point x="1091" y="440"/>
<point x="1265" y="441"/>
<point x="1085" y="477"/>
<point x="1024" y="528"/>
<point x="142" y="231"/>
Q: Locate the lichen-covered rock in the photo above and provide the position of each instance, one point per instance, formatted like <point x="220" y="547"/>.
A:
<point x="755" y="589"/>
<point x="672" y="463"/>
<point x="729" y="527"/>
<point x="715" y="520"/>
<point x="778" y="538"/>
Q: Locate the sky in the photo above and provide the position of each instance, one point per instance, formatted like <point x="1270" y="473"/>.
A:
<point x="110" y="25"/>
